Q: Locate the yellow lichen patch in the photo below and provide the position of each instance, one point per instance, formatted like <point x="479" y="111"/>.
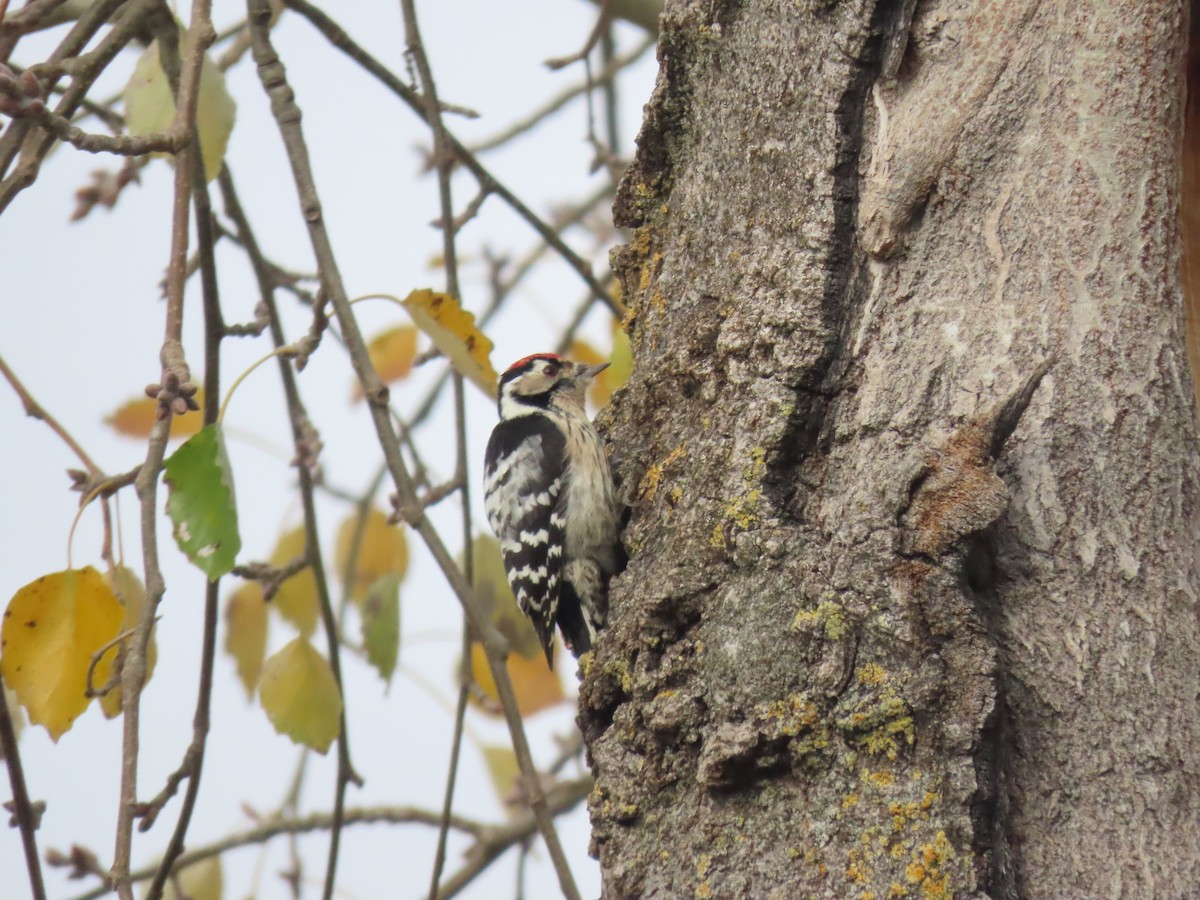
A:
<point x="649" y="271"/>
<point x="897" y="890"/>
<point x="929" y="868"/>
<point x="850" y="801"/>
<point x="880" y="779"/>
<point x="742" y="510"/>
<point x="718" y="537"/>
<point x="856" y="868"/>
<point x="872" y="674"/>
<point x="881" y="726"/>
<point x="703" y="888"/>
<point x="648" y="486"/>
<point x="828" y="618"/>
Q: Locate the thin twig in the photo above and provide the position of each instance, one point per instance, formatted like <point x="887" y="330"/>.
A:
<point x="22" y="809"/>
<point x="393" y="815"/>
<point x="274" y="80"/>
<point x="598" y="29"/>
<point x="300" y="436"/>
<point x="444" y="163"/>
<point x="214" y="331"/>
<point x="12" y="140"/>
<point x="487" y="182"/>
<point x="554" y="104"/>
<point x="199" y="35"/>
<point x="35" y="410"/>
<point x="560" y="798"/>
<point x="60" y="127"/>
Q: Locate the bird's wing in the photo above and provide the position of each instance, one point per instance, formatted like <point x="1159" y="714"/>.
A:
<point x="524" y="483"/>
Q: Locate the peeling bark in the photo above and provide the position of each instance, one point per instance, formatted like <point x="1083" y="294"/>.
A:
<point x="906" y="615"/>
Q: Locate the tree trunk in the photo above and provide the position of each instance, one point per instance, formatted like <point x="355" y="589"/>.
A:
<point x="867" y="646"/>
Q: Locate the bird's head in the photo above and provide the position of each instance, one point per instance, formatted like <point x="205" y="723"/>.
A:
<point x="544" y="381"/>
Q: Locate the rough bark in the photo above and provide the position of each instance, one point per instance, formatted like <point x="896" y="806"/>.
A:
<point x="865" y="645"/>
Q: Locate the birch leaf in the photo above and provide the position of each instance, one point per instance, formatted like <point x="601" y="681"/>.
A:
<point x="536" y="685"/>
<point x="246" y="627"/>
<point x="203" y="880"/>
<point x="381" y="625"/>
<point x="149" y="106"/>
<point x="296" y="600"/>
<point x="454" y="332"/>
<point x="392" y="354"/>
<point x="382" y="550"/>
<point x="503" y="769"/>
<point x="50" y="631"/>
<point x="201" y="504"/>
<point x="131" y="593"/>
<point x="300" y="696"/>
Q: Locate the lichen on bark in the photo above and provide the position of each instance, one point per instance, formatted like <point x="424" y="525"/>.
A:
<point x="836" y="662"/>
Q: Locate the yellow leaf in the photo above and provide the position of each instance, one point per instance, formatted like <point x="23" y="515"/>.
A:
<point x="51" y="629"/>
<point x="246" y="633"/>
<point x="454" y="332"/>
<point x="503" y="768"/>
<point x="136" y="417"/>
<point x="392" y="353"/>
<point x="203" y="880"/>
<point x="132" y="593"/>
<point x="300" y="696"/>
<point x="296" y="600"/>
<point x="383" y="550"/>
<point x="149" y="106"/>
<point x="537" y="687"/>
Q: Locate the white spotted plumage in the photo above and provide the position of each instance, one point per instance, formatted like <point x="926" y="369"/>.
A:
<point x="550" y="500"/>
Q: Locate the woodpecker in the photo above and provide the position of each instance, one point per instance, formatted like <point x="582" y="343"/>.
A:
<point x="550" y="500"/>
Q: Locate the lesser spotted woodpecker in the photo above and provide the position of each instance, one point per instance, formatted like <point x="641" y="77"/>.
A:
<point x="550" y="500"/>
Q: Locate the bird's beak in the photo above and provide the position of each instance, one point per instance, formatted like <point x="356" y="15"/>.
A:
<point x="589" y="372"/>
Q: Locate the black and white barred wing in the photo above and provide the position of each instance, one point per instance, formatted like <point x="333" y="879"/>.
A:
<point x="524" y="480"/>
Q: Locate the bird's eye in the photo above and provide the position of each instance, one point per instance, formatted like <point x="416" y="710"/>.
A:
<point x="551" y="370"/>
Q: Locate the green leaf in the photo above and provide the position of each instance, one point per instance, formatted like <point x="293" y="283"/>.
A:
<point x="381" y="624"/>
<point x="149" y="106"/>
<point x="201" y="504"/>
<point x="300" y="696"/>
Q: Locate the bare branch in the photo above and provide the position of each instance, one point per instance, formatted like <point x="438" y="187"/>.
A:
<point x="36" y="411"/>
<point x="303" y="435"/>
<point x="558" y="102"/>
<point x="560" y="798"/>
<point x="174" y="372"/>
<point x="342" y="41"/>
<point x="598" y="29"/>
<point x="395" y="815"/>
<point x="23" y="810"/>
<point x="13" y="138"/>
<point x="20" y="105"/>
<point x="273" y="77"/>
